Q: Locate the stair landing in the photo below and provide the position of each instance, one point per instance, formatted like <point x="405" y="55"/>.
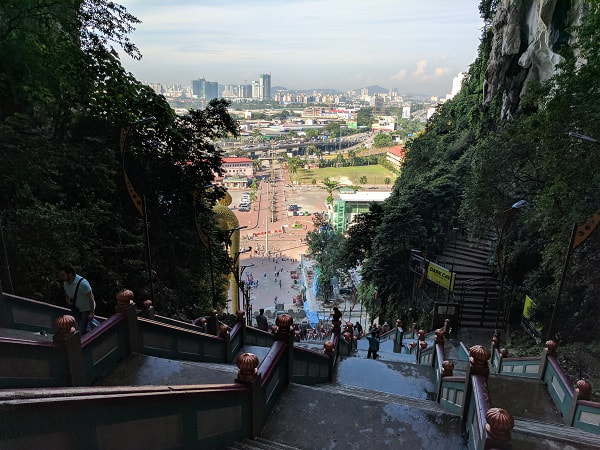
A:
<point x="319" y="418"/>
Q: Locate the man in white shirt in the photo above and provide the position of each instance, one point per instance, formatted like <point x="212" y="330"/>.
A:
<point x="75" y="284"/>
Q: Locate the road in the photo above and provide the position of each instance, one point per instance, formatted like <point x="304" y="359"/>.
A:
<point x="277" y="245"/>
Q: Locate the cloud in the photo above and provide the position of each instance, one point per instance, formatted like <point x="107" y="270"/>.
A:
<point x="420" y="70"/>
<point x="400" y="75"/>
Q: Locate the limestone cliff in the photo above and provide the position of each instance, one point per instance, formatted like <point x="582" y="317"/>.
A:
<point x="527" y="38"/>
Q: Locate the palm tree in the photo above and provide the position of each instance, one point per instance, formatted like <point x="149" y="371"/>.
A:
<point x="352" y="157"/>
<point x="257" y="135"/>
<point x="330" y="186"/>
<point x="293" y="164"/>
<point x="387" y="181"/>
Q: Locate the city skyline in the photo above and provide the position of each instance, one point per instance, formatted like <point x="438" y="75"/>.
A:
<point x="305" y="44"/>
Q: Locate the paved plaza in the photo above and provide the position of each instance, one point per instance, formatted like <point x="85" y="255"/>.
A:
<point x="278" y="246"/>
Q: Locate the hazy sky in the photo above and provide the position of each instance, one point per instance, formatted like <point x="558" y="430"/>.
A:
<point x="417" y="46"/>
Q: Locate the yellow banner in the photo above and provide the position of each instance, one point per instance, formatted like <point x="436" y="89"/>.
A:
<point x="441" y="276"/>
<point x="527" y="307"/>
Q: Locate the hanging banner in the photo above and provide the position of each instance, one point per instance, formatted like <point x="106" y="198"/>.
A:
<point x="534" y="330"/>
<point x="440" y="276"/>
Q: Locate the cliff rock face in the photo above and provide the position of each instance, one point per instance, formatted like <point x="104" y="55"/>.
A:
<point x="527" y="36"/>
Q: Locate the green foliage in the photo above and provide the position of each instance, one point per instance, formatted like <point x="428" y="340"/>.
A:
<point x="382" y="140"/>
<point x="469" y="167"/>
<point x="311" y="133"/>
<point x="64" y="97"/>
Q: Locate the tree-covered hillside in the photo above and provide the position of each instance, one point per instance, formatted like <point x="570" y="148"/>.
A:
<point x="470" y="166"/>
<point x="64" y="98"/>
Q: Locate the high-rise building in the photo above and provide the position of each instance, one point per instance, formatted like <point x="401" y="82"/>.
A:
<point x="256" y="90"/>
<point x="264" y="82"/>
<point x="205" y="90"/>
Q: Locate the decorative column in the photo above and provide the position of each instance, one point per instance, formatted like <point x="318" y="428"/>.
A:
<point x="124" y="300"/>
<point x="67" y="339"/>
<point x="439" y="336"/>
<point x="447" y="368"/>
<point x="583" y="391"/>
<point x="549" y="350"/>
<point x="478" y="361"/>
<point x="126" y="307"/>
<point x="284" y="326"/>
<point x="499" y="426"/>
<point x="147" y="311"/>
<point x="247" y="364"/>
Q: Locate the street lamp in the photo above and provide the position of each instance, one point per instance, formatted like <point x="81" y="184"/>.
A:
<point x="245" y="289"/>
<point x="138" y="202"/>
<point x="500" y="253"/>
<point x="584" y="137"/>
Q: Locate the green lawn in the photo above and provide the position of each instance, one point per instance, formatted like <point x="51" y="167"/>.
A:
<point x="375" y="174"/>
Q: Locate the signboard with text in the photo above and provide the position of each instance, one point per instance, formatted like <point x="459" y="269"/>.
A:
<point x="440" y="276"/>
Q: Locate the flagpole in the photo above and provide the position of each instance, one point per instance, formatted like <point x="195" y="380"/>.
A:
<point x="562" y="280"/>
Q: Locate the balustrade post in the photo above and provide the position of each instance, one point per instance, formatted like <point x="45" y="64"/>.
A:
<point x="68" y="340"/>
<point x="478" y="365"/>
<point x="284" y="324"/>
<point x="248" y="375"/>
<point x="499" y="426"/>
<point x="126" y="306"/>
<point x="583" y="391"/>
<point x="240" y="318"/>
<point x="147" y="311"/>
<point x="549" y="350"/>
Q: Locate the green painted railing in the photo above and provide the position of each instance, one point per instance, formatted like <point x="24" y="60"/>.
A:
<point x="104" y="346"/>
<point x="26" y="363"/>
<point x="20" y="313"/>
<point x="586" y="416"/>
<point x="209" y="416"/>
<point x="528" y="367"/>
<point x="261" y="338"/>
<point x="169" y="341"/>
<point x="452" y="394"/>
<point x="310" y="367"/>
<point x="558" y="386"/>
<point x="479" y="403"/>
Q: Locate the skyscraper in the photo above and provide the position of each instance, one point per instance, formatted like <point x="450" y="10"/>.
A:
<point x="264" y="83"/>
<point x="205" y="90"/>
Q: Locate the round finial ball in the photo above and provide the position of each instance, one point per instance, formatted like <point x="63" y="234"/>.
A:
<point x="585" y="389"/>
<point x="499" y="424"/>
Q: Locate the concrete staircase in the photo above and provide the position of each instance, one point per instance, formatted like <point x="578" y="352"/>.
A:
<point x="476" y="288"/>
<point x="260" y="444"/>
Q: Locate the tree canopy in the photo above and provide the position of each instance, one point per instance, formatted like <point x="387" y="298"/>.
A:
<point x="64" y="98"/>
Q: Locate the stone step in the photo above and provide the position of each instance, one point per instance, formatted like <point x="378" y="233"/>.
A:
<point x="379" y="396"/>
<point x="555" y="432"/>
<point x="259" y="443"/>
